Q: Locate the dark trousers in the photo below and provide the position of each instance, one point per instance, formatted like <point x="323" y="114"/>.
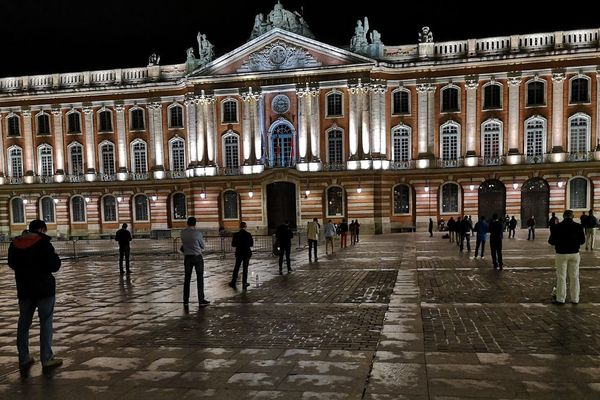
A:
<point x="464" y="237"/>
<point x="511" y="233"/>
<point x="190" y="263"/>
<point x="531" y="234"/>
<point x="45" y="309"/>
<point x="479" y="242"/>
<point x="343" y="239"/>
<point x="240" y="260"/>
<point x="496" y="249"/>
<point x="285" y="249"/>
<point x="312" y="244"/>
<point x="124" y="253"/>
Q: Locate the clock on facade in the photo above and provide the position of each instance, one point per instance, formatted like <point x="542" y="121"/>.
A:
<point x="280" y="104"/>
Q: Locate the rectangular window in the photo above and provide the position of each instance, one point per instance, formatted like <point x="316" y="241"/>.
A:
<point x="13" y="126"/>
<point x="108" y="160"/>
<point x="450" y="100"/>
<point x="334" y="147"/>
<point x="78" y="209"/>
<point x="401" y="103"/>
<point x="47" y="167"/>
<point x="334" y="105"/>
<point x="579" y="91"/>
<point x="450" y="198"/>
<point x="535" y="94"/>
<point x="230" y="205"/>
<point x="137" y="120"/>
<point x="449" y="147"/>
<point x="139" y="158"/>
<point x="231" y="153"/>
<point x="18" y="211"/>
<point x="335" y="202"/>
<point x="176" y="114"/>
<point x="16" y="164"/>
<point x="229" y="112"/>
<point x="178" y="155"/>
<point x="43" y="125"/>
<point x="73" y="123"/>
<point x="491" y="97"/>
<point x="47" y="209"/>
<point x="110" y="209"/>
<point x="401" y="200"/>
<point x="105" y="119"/>
<point x="76" y="160"/>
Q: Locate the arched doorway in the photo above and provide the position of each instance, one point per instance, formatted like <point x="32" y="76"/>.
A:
<point x="535" y="201"/>
<point x="492" y="199"/>
<point x="282" y="144"/>
<point x="281" y="204"/>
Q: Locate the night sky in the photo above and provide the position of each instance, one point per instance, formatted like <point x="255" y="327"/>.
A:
<point x="40" y="37"/>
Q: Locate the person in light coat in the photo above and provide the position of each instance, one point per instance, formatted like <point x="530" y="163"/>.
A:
<point x="312" y="234"/>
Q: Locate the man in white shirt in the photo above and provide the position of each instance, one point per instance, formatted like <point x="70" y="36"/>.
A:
<point x="312" y="234"/>
<point x="192" y="245"/>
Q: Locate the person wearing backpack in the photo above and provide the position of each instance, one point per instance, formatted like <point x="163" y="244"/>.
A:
<point x="590" y="230"/>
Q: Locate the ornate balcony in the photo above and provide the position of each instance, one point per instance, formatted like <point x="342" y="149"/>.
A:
<point x="455" y="163"/>
<point x="396" y="165"/>
<point x="536" y="159"/>
<point x="138" y="176"/>
<point x="14" y="180"/>
<point x="230" y="171"/>
<point x="75" y="178"/>
<point x="44" y="179"/>
<point x="176" y="174"/>
<point x="108" y="177"/>
<point x="334" y="166"/>
<point x="488" y="161"/>
<point x="582" y="156"/>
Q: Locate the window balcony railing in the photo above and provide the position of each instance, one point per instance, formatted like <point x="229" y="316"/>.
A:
<point x="230" y="171"/>
<point x="487" y="161"/>
<point x="336" y="166"/>
<point x="581" y="156"/>
<point x="176" y="174"/>
<point x="75" y="178"/>
<point x="453" y="163"/>
<point x="108" y="177"/>
<point x="138" y="176"/>
<point x="45" y="179"/>
<point x="15" y="180"/>
<point x="536" y="159"/>
<point x="402" y="164"/>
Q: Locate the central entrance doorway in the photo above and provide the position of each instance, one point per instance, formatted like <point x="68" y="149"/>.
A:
<point x="281" y="205"/>
<point x="535" y="202"/>
<point x="492" y="199"/>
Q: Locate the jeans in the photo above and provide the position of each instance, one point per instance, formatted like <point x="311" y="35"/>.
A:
<point x="240" y="260"/>
<point x="285" y="249"/>
<point x="190" y="263"/>
<point x="312" y="244"/>
<point x="531" y="234"/>
<point x="567" y="263"/>
<point x="124" y="253"/>
<point x="328" y="240"/>
<point x="45" y="309"/>
<point x="480" y="242"/>
<point x="466" y="237"/>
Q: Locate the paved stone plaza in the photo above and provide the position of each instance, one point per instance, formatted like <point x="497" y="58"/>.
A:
<point x="396" y="317"/>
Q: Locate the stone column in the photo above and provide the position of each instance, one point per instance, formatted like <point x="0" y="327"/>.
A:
<point x="366" y="122"/>
<point x="155" y="111"/>
<point x="90" y="146"/>
<point x="122" y="145"/>
<point x="432" y="130"/>
<point x="210" y="130"/>
<point x="513" y="118"/>
<point x="383" y="128"/>
<point x="258" y="104"/>
<point x="353" y="124"/>
<point x="558" y="126"/>
<point x="200" y="131"/>
<point x="471" y="123"/>
<point x="596" y="146"/>
<point x="59" y="147"/>
<point x="303" y="127"/>
<point x="190" y="105"/>
<point x="315" y="125"/>
<point x="247" y="125"/>
<point x="2" y="151"/>
<point x="28" y="150"/>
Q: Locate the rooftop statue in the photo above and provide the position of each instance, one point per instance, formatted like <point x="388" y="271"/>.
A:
<point x="281" y="18"/>
<point x="359" y="41"/>
<point x="206" y="52"/>
<point x="425" y="36"/>
<point x="153" y="60"/>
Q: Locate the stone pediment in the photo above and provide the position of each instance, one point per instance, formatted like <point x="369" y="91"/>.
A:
<point x="279" y="50"/>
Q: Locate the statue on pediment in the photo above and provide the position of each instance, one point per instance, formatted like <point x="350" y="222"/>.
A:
<point x="206" y="52"/>
<point x="153" y="60"/>
<point x="281" y="18"/>
<point x="425" y="36"/>
<point x="359" y="41"/>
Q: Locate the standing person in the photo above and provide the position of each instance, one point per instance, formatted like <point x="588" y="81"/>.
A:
<point x="512" y="225"/>
<point x="284" y="236"/>
<point x="430" y="229"/>
<point x="123" y="237"/>
<point x="34" y="259"/>
<point x="482" y="229"/>
<point x="590" y="226"/>
<point x="243" y="242"/>
<point x="352" y="232"/>
<point x="553" y="220"/>
<point x="566" y="237"/>
<point x="506" y="221"/>
<point x="344" y="233"/>
<point x="465" y="232"/>
<point x="531" y="225"/>
<point x="312" y="234"/>
<point x="496" y="230"/>
<point x="451" y="229"/>
<point x="329" y="235"/>
<point x="192" y="244"/>
<point x="356" y="231"/>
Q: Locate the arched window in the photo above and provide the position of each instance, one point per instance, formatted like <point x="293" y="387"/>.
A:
<point x="76" y="159"/>
<point x="138" y="157"/>
<point x="47" y="209"/>
<point x="401" y="102"/>
<point x="73" y="122"/>
<point x="77" y="209"/>
<point x="231" y="152"/>
<point x="43" y="124"/>
<point x="105" y="121"/>
<point x="177" y="158"/>
<point x="109" y="209"/>
<point x="492" y="96"/>
<point x="450" y="99"/>
<point x="229" y="113"/>
<point x="13" y="126"/>
<point x="450" y="141"/>
<point x="401" y="199"/>
<point x="535" y="137"/>
<point x="136" y="119"/>
<point x="230" y="205"/>
<point x="335" y="146"/>
<point x="176" y="116"/>
<point x="17" y="210"/>
<point x="107" y="157"/>
<point x="536" y="93"/>
<point x="282" y="145"/>
<point x="491" y="141"/>
<point x="579" y="133"/>
<point x="46" y="163"/>
<point x="450" y="200"/>
<point x="401" y="143"/>
<point x="580" y="90"/>
<point x="335" y="201"/>
<point x="579" y="194"/>
<point x="15" y="162"/>
<point x="179" y="206"/>
<point x="334" y="104"/>
<point x="140" y="208"/>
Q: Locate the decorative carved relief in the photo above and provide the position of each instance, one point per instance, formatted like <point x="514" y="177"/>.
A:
<point x="279" y="55"/>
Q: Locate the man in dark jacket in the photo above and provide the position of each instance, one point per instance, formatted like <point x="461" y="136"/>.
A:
<point x="123" y="237"/>
<point x="566" y="237"/>
<point x="242" y="241"/>
<point x="496" y="230"/>
<point x="33" y="259"/>
<point x="284" y="236"/>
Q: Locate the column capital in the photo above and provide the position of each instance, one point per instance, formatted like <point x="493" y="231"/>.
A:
<point x="155" y="105"/>
<point x="558" y="77"/>
<point x="310" y="89"/>
<point x="514" y="81"/>
<point x="472" y="83"/>
<point x="251" y="95"/>
<point x="87" y="110"/>
<point x="56" y="111"/>
<point x="425" y="87"/>
<point x="119" y="108"/>
<point x="26" y="112"/>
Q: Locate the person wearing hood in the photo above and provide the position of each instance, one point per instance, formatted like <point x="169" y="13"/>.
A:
<point x="34" y="259"/>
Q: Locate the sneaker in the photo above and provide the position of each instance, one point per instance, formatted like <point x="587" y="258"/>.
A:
<point x="204" y="302"/>
<point x="53" y="362"/>
<point x="27" y="364"/>
<point x="232" y="285"/>
<point x="560" y="303"/>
